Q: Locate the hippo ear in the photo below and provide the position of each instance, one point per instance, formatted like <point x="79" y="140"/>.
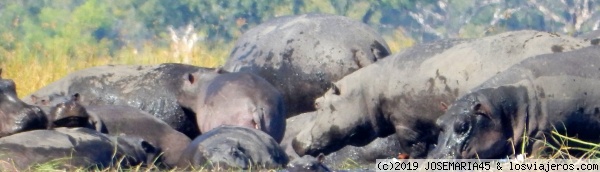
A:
<point x="321" y="157"/>
<point x="33" y="98"/>
<point x="443" y="106"/>
<point x="147" y="147"/>
<point x="219" y="70"/>
<point x="335" y="90"/>
<point x="191" y="78"/>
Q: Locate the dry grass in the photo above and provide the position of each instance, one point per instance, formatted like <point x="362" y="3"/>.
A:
<point x="32" y="73"/>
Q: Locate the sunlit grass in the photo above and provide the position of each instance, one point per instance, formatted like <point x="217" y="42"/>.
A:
<point x="32" y="73"/>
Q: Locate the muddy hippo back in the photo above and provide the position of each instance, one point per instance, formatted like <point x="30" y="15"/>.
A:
<point x="301" y="55"/>
<point x="234" y="147"/>
<point x="153" y="89"/>
<point x="404" y="95"/>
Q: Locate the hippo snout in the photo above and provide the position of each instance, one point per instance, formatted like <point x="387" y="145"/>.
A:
<point x="300" y="147"/>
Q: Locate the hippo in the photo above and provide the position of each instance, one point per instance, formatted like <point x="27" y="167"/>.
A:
<point x="72" y="114"/>
<point x="15" y="115"/>
<point x="520" y="107"/>
<point x="380" y="148"/>
<point x="405" y="93"/>
<point x="302" y="54"/>
<point x="240" y="98"/>
<point x="72" y="148"/>
<point x="151" y="88"/>
<point x="233" y="147"/>
<point x="127" y="120"/>
<point x="308" y="163"/>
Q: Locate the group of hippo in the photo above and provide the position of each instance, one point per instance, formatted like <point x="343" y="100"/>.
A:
<point x="301" y="92"/>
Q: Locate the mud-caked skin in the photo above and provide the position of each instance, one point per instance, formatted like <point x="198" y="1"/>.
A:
<point x="151" y="88"/>
<point x="308" y="163"/>
<point x="240" y="99"/>
<point x="130" y="121"/>
<point x="301" y="55"/>
<point x="233" y="147"/>
<point x="403" y="93"/>
<point x="15" y="115"/>
<point x="528" y="100"/>
<point x="72" y="114"/>
<point x="73" y="148"/>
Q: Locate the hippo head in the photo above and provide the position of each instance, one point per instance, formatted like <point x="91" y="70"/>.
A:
<point x="15" y="115"/>
<point x="308" y="163"/>
<point x="333" y="127"/>
<point x="472" y="128"/>
<point x="69" y="114"/>
<point x="192" y="86"/>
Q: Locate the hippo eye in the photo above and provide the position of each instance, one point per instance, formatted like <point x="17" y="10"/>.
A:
<point x="461" y="127"/>
<point x="316" y="105"/>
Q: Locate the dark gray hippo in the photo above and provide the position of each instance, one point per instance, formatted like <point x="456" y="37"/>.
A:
<point x="15" y="115"/>
<point x="301" y="55"/>
<point x="240" y="99"/>
<point x="151" y="88"/>
<point x="233" y="147"/>
<point x="380" y="148"/>
<point x="72" y="114"/>
<point x="529" y="100"/>
<point x="71" y="148"/>
<point x="307" y="163"/>
<point x="404" y="93"/>
<point x="130" y="121"/>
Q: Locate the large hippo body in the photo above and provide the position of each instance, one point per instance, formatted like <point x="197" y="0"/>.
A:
<point x="15" y="115"/>
<point x="71" y="148"/>
<point x="130" y="121"/>
<point x="301" y="55"/>
<point x="528" y="100"/>
<point x="240" y="99"/>
<point x="234" y="147"/>
<point x="152" y="88"/>
<point x="403" y="93"/>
